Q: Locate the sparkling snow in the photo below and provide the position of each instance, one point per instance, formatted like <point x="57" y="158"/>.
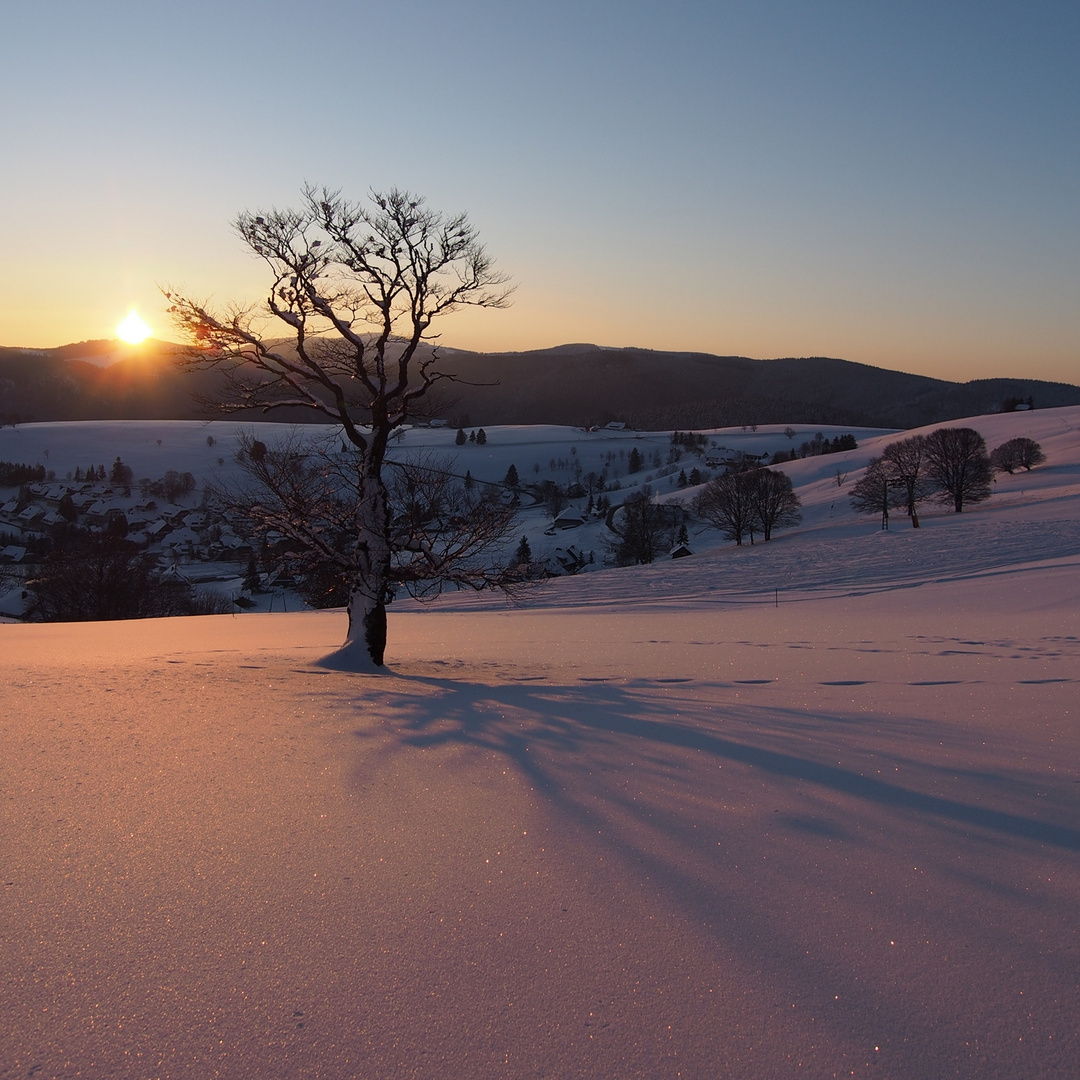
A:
<point x="808" y="808"/>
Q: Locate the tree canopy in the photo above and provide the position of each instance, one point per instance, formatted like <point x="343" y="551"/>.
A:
<point x="346" y="332"/>
<point x="958" y="465"/>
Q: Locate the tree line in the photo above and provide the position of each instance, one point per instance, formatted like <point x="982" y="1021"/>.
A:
<point x="748" y="503"/>
<point x="950" y="465"/>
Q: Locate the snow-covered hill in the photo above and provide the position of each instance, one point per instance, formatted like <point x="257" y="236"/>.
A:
<point x="808" y="808"/>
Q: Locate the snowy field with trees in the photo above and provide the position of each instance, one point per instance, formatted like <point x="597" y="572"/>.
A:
<point x="807" y="807"/>
<point x="558" y="485"/>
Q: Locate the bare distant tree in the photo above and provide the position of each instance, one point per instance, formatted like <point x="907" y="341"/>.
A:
<point x="877" y="490"/>
<point x="1017" y="454"/>
<point x="908" y="461"/>
<point x="737" y="502"/>
<point x="725" y="504"/>
<point x="958" y="464"/>
<point x="306" y="496"/>
<point x="102" y="577"/>
<point x="355" y="289"/>
<point x="773" y="500"/>
<point x="640" y="526"/>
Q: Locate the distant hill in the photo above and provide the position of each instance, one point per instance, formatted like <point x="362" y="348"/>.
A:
<point x="586" y="384"/>
<point x="78" y="382"/>
<point x="572" y="384"/>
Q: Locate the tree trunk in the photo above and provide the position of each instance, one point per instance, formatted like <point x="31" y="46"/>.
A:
<point x="366" y="637"/>
<point x="365" y="642"/>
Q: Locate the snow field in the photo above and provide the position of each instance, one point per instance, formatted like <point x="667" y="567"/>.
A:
<point x="810" y="808"/>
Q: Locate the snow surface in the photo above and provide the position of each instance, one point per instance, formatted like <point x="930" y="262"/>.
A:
<point x="808" y="808"/>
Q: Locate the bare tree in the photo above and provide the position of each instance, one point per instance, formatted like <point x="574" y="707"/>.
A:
<point x="738" y="501"/>
<point x="355" y="289"/>
<point x="1017" y="454"/>
<point x="773" y="500"/>
<point x="305" y="495"/>
<point x="725" y="504"/>
<point x="877" y="490"/>
<point x="909" y="470"/>
<point x="958" y="464"/>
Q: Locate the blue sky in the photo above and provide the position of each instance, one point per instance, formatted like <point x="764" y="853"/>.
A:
<point x="895" y="184"/>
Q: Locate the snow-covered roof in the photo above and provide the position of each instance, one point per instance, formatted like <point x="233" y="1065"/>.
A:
<point x="180" y="537"/>
<point x="14" y="602"/>
<point x="570" y="516"/>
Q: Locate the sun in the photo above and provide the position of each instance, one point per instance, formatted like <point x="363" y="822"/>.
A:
<point x="133" y="329"/>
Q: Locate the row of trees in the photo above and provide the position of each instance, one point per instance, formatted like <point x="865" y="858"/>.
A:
<point x="950" y="464"/>
<point x="752" y="501"/>
<point x="479" y="437"/>
<point x="13" y="473"/>
<point x="819" y="444"/>
<point x="93" y="577"/>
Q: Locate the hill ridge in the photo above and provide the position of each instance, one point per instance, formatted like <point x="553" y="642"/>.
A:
<point x="577" y="383"/>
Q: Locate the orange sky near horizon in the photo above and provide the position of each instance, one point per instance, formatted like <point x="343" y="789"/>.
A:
<point x="891" y="185"/>
<point x="956" y="350"/>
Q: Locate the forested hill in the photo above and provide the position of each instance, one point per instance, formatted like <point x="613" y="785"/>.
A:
<point x="571" y="384"/>
<point x="659" y="390"/>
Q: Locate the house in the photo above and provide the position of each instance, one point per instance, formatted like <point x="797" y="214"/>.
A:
<point x="230" y="541"/>
<point x="570" y="559"/>
<point x="14" y="603"/>
<point x="158" y="530"/>
<point x="184" y="539"/>
<point x="52" y="521"/>
<point x="173" y="575"/>
<point x="680" y="551"/>
<point x="30" y="516"/>
<point x="569" y="519"/>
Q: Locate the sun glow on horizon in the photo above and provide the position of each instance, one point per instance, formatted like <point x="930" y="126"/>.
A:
<point x="133" y="329"/>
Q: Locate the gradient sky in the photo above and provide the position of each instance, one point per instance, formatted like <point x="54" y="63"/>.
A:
<point x="892" y="183"/>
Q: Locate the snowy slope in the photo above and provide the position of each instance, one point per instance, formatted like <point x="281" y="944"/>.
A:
<point x="656" y="822"/>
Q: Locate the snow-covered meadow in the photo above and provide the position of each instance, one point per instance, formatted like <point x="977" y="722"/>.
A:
<point x="807" y="808"/>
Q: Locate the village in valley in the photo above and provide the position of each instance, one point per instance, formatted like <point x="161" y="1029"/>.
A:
<point x="153" y="483"/>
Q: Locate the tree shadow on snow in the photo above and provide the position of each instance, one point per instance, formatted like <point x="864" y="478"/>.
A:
<point x="741" y="815"/>
<point x="571" y="724"/>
